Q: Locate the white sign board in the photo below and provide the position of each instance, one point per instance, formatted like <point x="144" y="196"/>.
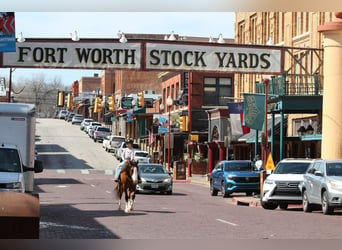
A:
<point x="75" y="55"/>
<point x="235" y="59"/>
<point x="2" y="87"/>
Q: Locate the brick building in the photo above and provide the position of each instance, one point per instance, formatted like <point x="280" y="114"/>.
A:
<point x="296" y="33"/>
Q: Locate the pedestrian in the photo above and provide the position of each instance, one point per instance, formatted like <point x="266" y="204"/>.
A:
<point x="258" y="163"/>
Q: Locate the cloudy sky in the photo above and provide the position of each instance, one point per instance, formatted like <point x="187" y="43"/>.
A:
<point x="107" y="25"/>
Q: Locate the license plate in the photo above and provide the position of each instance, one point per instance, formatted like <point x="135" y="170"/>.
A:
<point x="154" y="186"/>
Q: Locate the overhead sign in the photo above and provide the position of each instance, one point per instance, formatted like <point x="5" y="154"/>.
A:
<point x="145" y="55"/>
<point x="7" y="32"/>
<point x="213" y="58"/>
<point x="75" y="55"/>
<point x="2" y="87"/>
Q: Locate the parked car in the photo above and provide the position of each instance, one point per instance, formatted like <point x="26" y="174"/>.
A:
<point x="85" y="123"/>
<point x="322" y="186"/>
<point x="77" y="119"/>
<point x="141" y="156"/>
<point x="113" y="140"/>
<point x="91" y="130"/>
<point x="234" y="176"/>
<point x="71" y="115"/>
<point x="122" y="147"/>
<point x="62" y="114"/>
<point x="154" y="178"/>
<point x="282" y="186"/>
<point x="100" y="132"/>
<point x="90" y="125"/>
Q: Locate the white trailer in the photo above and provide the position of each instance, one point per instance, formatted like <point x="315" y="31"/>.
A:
<point x="17" y="137"/>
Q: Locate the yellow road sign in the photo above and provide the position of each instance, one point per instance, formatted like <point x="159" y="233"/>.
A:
<point x="269" y="163"/>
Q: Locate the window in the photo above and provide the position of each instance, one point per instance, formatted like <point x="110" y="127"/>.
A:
<point x="253" y="37"/>
<point x="185" y="80"/>
<point x="241" y="32"/>
<point x="215" y="89"/>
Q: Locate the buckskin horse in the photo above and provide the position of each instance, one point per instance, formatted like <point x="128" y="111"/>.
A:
<point x="127" y="184"/>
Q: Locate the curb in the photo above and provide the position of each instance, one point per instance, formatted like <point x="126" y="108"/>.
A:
<point x="182" y="181"/>
<point x="246" y="202"/>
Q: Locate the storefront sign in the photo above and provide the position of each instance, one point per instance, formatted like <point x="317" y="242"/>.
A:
<point x="7" y="32"/>
<point x="235" y="59"/>
<point x="75" y="55"/>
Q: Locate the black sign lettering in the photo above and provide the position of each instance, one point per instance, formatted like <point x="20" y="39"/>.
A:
<point x="23" y="51"/>
<point x="253" y="60"/>
<point x="177" y="58"/>
<point x="96" y="55"/>
<point x="243" y="60"/>
<point x="154" y="56"/>
<point x="82" y="54"/>
<point x="107" y="56"/>
<point x="231" y="60"/>
<point x="118" y="52"/>
<point x="221" y="59"/>
<point x="50" y="54"/>
<point x="187" y="63"/>
<point x="61" y="54"/>
<point x="199" y="58"/>
<point x="129" y="53"/>
<point x="265" y="60"/>
<point x="166" y="58"/>
<point x="38" y="55"/>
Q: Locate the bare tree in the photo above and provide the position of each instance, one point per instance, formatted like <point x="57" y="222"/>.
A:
<point x="39" y="91"/>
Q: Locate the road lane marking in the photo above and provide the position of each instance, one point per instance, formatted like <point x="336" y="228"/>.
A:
<point x="108" y="192"/>
<point x="84" y="171"/>
<point x="92" y="185"/>
<point x="62" y="186"/>
<point x="227" y="222"/>
<point x="60" y="171"/>
<point x="51" y="224"/>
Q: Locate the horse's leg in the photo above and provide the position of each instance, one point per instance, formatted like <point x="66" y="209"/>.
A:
<point x="120" y="195"/>
<point x="127" y="200"/>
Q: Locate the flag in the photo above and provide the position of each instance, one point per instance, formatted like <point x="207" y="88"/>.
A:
<point x="236" y="117"/>
<point x="254" y="111"/>
<point x="150" y="137"/>
<point x="7" y="32"/>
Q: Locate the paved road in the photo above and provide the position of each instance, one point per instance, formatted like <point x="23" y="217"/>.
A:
<point x="80" y="204"/>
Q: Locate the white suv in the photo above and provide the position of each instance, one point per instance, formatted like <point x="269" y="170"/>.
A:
<point x="282" y="186"/>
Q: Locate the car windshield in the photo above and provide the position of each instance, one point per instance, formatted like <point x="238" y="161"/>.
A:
<point x="103" y="129"/>
<point x="141" y="154"/>
<point x="9" y="160"/>
<point x="237" y="166"/>
<point x="291" y="168"/>
<point x="334" y="169"/>
<point x="152" y="169"/>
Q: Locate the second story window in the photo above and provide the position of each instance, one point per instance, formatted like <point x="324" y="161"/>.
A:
<point x="215" y="91"/>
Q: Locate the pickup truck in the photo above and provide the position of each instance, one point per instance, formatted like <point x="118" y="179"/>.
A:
<point x="100" y="133"/>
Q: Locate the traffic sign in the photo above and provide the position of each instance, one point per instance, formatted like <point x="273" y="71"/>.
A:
<point x="269" y="163"/>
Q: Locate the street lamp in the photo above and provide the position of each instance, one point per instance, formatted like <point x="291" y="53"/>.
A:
<point x="169" y="103"/>
<point x="266" y="82"/>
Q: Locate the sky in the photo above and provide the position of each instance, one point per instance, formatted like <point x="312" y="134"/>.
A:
<point x="107" y="25"/>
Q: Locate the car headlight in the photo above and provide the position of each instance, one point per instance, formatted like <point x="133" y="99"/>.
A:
<point x="14" y="185"/>
<point x="168" y="180"/>
<point x="269" y="182"/>
<point x="229" y="177"/>
<point x="335" y="184"/>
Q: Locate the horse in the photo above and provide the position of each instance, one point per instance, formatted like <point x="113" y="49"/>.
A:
<point x="127" y="184"/>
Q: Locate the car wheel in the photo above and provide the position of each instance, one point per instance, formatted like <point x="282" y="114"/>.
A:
<point x="249" y="193"/>
<point x="268" y="205"/>
<point x="223" y="190"/>
<point x="95" y="140"/>
<point x="307" y="207"/>
<point x="213" y="191"/>
<point x="283" y="206"/>
<point x="326" y="208"/>
<point x="169" y="192"/>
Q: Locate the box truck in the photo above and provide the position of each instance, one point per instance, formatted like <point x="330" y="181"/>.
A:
<point x="17" y="147"/>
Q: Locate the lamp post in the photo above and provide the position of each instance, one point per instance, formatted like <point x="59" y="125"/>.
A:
<point x="169" y="103"/>
<point x="266" y="81"/>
